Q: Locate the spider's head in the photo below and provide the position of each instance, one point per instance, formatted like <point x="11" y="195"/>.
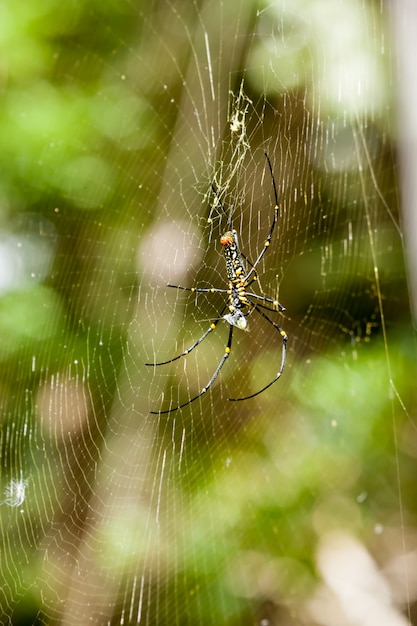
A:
<point x="228" y="238"/>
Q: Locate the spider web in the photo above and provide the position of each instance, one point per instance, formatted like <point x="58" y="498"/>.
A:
<point x="134" y="135"/>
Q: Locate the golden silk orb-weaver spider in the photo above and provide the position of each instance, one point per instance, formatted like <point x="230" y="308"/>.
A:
<point x="241" y="274"/>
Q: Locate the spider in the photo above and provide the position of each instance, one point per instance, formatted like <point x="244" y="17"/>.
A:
<point x="241" y="274"/>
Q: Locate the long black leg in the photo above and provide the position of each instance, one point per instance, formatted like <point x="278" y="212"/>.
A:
<point x="278" y="305"/>
<point x="200" y="289"/>
<point x="272" y="227"/>
<point x="283" y="358"/>
<point x="197" y="343"/>
<point x="227" y="351"/>
<point x="229" y="224"/>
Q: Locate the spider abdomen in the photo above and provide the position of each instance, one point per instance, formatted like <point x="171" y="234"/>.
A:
<point x="236" y="274"/>
<point x="238" y="319"/>
<point x="237" y="301"/>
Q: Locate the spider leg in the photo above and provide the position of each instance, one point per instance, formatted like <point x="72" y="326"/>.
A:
<point x="229" y="225"/>
<point x="283" y="359"/>
<point x="197" y="343"/>
<point x="227" y="351"/>
<point x="272" y="227"/>
<point x="278" y="305"/>
<point x="199" y="289"/>
<point x="255" y="277"/>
